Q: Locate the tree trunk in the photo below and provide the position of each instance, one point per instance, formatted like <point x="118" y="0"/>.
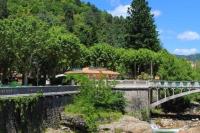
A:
<point x="5" y="76"/>
<point x="25" y="80"/>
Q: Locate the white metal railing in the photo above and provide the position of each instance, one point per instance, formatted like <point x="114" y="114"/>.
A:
<point x="158" y="84"/>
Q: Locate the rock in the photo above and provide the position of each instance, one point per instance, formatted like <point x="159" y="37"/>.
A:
<point x="74" y="122"/>
<point x="182" y="131"/>
<point x="194" y="130"/>
<point x="50" y="130"/>
<point x="126" y="124"/>
<point x="167" y="123"/>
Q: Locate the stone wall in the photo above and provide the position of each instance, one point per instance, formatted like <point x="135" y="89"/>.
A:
<point x="137" y="99"/>
<point x="45" y="113"/>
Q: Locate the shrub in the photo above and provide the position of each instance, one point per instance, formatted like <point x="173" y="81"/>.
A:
<point x="97" y="103"/>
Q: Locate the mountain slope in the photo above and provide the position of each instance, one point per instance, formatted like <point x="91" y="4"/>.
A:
<point x="194" y="57"/>
<point x="87" y="22"/>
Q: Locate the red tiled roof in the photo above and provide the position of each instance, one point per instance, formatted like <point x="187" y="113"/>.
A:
<point x="88" y="70"/>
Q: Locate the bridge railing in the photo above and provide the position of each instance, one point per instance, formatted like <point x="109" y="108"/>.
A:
<point x="36" y="89"/>
<point x="130" y="82"/>
<point x="174" y="84"/>
<point x="155" y="84"/>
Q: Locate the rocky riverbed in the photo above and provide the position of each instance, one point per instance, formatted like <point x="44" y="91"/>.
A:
<point x="174" y="123"/>
<point x="127" y="124"/>
<point x="189" y="121"/>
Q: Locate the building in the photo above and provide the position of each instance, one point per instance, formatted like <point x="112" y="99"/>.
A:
<point x="95" y="73"/>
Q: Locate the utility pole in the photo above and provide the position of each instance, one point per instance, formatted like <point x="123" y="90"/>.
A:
<point x="135" y="70"/>
<point x="151" y="70"/>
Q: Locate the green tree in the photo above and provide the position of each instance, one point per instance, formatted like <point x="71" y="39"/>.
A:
<point x="141" y="30"/>
<point x="8" y="48"/>
<point x="30" y="36"/>
<point x="61" y="52"/>
<point x="102" y="55"/>
<point x="172" y="68"/>
<point x="69" y="17"/>
<point x="21" y="39"/>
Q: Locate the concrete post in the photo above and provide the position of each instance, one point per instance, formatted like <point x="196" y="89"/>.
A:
<point x="165" y="90"/>
<point x="157" y="95"/>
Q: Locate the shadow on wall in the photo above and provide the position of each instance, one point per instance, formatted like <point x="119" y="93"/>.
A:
<point x="31" y="115"/>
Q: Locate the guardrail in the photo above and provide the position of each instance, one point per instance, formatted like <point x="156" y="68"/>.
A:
<point x="36" y="89"/>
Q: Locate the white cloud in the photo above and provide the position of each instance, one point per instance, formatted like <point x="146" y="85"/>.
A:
<point x="185" y="51"/>
<point x="188" y="36"/>
<point x="156" y="13"/>
<point x="120" y="10"/>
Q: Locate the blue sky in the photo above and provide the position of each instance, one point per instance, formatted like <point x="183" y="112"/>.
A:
<point x="178" y="21"/>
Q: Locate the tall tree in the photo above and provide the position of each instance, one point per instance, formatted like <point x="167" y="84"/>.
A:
<point x="69" y="17"/>
<point x="141" y="30"/>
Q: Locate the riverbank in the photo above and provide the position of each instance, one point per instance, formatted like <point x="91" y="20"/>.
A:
<point x="126" y="124"/>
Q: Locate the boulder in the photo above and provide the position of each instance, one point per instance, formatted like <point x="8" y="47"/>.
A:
<point x="73" y="122"/>
<point x="126" y="124"/>
<point x="194" y="130"/>
<point x="50" y="130"/>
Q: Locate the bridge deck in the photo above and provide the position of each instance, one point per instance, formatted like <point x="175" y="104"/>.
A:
<point x="44" y="94"/>
<point x="32" y="90"/>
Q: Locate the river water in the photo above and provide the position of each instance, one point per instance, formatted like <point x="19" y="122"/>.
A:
<point x="173" y="122"/>
<point x="170" y="124"/>
<point x="157" y="129"/>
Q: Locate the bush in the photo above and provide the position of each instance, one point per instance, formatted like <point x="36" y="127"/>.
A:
<point x="142" y="114"/>
<point x="97" y="103"/>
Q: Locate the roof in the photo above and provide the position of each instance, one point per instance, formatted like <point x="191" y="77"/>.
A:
<point x="88" y="70"/>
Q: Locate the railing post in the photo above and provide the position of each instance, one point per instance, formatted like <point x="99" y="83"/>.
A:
<point x="157" y="99"/>
<point x="165" y="90"/>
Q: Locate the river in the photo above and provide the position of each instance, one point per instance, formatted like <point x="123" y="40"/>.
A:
<point x="173" y="122"/>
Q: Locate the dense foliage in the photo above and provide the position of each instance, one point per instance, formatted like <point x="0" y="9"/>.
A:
<point x="96" y="103"/>
<point x="3" y="9"/>
<point x="42" y="38"/>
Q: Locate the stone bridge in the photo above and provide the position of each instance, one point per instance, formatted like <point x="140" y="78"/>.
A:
<point x="46" y="112"/>
<point x="6" y="92"/>
<point x="139" y="94"/>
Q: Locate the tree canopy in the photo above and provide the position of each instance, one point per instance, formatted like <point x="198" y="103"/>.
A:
<point x="44" y="38"/>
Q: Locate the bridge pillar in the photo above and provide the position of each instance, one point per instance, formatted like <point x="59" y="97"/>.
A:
<point x="137" y="99"/>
